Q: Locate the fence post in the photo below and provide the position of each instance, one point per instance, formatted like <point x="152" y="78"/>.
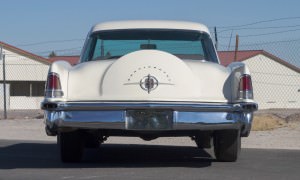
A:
<point x="2" y="57"/>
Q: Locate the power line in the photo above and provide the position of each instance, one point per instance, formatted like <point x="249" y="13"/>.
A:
<point x="263" y="34"/>
<point x="259" y="22"/>
<point x="268" y="27"/>
<point x="50" y="42"/>
<point x="224" y="27"/>
<point x="272" y="42"/>
<point x="264" y="43"/>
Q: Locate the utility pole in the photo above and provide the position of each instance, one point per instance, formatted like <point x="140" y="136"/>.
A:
<point x="2" y="57"/>
<point x="216" y="38"/>
<point x="236" y="47"/>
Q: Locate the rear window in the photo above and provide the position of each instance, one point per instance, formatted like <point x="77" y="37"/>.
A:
<point x="182" y="43"/>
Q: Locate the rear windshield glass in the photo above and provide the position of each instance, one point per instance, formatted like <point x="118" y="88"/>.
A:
<point x="181" y="43"/>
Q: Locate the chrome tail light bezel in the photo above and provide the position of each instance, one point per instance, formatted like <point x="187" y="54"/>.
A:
<point x="53" y="86"/>
<point x="245" y="88"/>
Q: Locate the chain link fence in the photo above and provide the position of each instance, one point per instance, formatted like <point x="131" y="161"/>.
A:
<point x="275" y="68"/>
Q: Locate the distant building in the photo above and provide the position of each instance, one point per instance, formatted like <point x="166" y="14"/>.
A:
<point x="276" y="83"/>
<point x="25" y="76"/>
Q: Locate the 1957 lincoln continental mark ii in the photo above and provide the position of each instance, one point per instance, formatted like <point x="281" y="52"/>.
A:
<point x="148" y="79"/>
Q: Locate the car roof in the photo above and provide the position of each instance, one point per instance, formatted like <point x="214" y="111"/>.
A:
<point x="150" y="24"/>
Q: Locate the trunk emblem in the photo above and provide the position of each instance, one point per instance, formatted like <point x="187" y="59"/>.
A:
<point x="149" y="83"/>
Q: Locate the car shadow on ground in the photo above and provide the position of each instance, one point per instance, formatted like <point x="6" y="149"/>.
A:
<point x="45" y="155"/>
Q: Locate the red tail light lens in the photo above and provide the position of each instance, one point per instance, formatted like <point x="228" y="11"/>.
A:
<point x="246" y="83"/>
<point x="53" y="82"/>
<point x="53" y="86"/>
<point x="245" y="87"/>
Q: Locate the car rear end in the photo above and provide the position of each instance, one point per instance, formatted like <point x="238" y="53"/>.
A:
<point x="172" y="85"/>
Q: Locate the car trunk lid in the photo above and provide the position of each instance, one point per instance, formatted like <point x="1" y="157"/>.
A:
<point x="148" y="75"/>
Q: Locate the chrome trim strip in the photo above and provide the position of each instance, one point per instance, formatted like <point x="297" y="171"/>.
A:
<point x="199" y="107"/>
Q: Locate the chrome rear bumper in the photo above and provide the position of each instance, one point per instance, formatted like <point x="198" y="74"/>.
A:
<point x="112" y="115"/>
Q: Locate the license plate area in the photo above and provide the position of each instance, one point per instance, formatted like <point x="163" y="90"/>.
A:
<point x="144" y="119"/>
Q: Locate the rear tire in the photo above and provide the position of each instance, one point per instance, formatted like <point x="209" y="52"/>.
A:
<point x="91" y="141"/>
<point x="203" y="140"/>
<point x="227" y="145"/>
<point x="70" y="146"/>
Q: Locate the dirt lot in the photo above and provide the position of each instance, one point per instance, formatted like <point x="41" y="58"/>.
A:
<point x="275" y="118"/>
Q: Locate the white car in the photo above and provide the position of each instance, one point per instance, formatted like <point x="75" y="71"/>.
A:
<point x="148" y="79"/>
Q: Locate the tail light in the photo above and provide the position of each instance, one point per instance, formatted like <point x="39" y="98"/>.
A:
<point x="245" y="90"/>
<point x="53" y="86"/>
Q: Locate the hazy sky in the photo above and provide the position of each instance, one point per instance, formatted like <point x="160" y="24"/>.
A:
<point x="42" y="26"/>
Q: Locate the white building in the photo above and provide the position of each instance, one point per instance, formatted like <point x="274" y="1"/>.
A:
<point x="26" y="74"/>
<point x="276" y="83"/>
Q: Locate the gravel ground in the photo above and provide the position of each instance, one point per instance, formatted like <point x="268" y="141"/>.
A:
<point x="281" y="138"/>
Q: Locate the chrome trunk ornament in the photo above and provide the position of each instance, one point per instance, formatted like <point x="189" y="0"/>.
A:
<point x="149" y="83"/>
